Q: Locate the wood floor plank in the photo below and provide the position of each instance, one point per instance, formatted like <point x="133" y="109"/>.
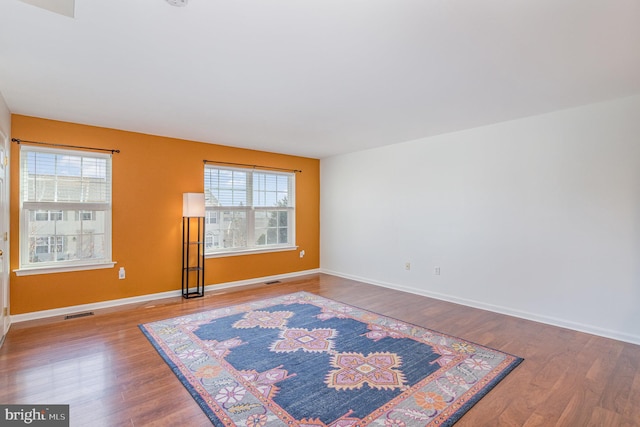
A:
<point x="604" y="417"/>
<point x="104" y="367"/>
<point x="618" y="386"/>
<point x="633" y="405"/>
<point x="535" y="420"/>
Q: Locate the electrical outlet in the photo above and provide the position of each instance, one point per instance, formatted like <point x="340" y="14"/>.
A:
<point x="407" y="266"/>
<point x="121" y="273"/>
<point x="302" y="253"/>
<point x="436" y="271"/>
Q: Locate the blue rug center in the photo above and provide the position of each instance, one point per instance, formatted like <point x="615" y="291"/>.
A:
<point x="334" y="366"/>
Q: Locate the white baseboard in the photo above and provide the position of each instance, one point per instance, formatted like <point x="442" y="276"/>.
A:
<point x="16" y="318"/>
<point x="553" y="321"/>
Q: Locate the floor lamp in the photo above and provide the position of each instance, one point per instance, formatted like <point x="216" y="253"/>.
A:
<point x="192" y="245"/>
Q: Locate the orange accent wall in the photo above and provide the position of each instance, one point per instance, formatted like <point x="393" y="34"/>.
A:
<point x="149" y="176"/>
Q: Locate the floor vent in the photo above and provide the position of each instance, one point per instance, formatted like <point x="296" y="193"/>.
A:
<point x="273" y="282"/>
<point x="75" y="316"/>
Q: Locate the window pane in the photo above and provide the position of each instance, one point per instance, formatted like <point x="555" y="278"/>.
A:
<point x="46" y="248"/>
<point x="91" y="246"/>
<point x="65" y="236"/>
<point x="271" y="189"/>
<point x="261" y="227"/>
<point x="272" y="236"/>
<point x="282" y="218"/>
<point x="234" y="229"/>
<point x="54" y="177"/>
<point x="225" y="187"/>
<point x="239" y="198"/>
<point x="271" y="227"/>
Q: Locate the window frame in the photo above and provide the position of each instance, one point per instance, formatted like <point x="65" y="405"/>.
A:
<point x="250" y="210"/>
<point x="61" y="211"/>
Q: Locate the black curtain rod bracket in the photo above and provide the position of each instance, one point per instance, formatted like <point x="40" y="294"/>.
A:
<point x="20" y="141"/>
<point x="252" y="166"/>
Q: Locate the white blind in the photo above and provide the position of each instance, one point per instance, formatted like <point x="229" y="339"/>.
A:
<point x="65" y="176"/>
<point x="234" y="187"/>
<point x="226" y="187"/>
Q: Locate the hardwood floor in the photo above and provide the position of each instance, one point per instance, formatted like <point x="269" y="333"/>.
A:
<point x="109" y="373"/>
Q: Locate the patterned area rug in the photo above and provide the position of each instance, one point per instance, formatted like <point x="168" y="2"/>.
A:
<point x="305" y="360"/>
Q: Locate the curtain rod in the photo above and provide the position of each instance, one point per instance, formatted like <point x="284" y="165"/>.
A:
<point x="252" y="166"/>
<point x="20" y="141"/>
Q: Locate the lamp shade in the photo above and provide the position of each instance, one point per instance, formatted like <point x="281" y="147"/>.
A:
<point x="193" y="205"/>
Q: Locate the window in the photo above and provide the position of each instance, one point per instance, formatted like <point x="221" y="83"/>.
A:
<point x="87" y="216"/>
<point x="47" y="245"/>
<point x="211" y="217"/>
<point x="65" y="202"/>
<point x="48" y="215"/>
<point x="248" y="210"/>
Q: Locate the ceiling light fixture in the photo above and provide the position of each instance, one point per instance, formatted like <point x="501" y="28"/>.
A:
<point x="178" y="3"/>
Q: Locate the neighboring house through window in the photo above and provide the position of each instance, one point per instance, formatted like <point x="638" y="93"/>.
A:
<point x="48" y="215"/>
<point x="65" y="202"/>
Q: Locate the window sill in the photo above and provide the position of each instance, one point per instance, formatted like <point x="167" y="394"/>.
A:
<point x="62" y="269"/>
<point x="251" y="252"/>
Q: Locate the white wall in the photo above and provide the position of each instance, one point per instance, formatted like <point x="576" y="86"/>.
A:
<point x="5" y="117"/>
<point x="537" y="217"/>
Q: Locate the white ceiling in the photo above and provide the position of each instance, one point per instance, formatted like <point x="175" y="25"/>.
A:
<point x="318" y="77"/>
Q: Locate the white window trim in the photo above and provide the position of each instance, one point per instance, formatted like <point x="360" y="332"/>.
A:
<point x="62" y="269"/>
<point x="252" y="251"/>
